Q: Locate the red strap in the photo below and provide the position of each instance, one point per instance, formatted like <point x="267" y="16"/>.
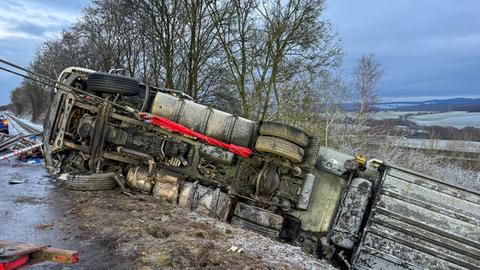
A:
<point x="175" y="127"/>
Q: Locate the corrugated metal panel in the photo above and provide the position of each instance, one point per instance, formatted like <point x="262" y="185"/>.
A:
<point x="420" y="223"/>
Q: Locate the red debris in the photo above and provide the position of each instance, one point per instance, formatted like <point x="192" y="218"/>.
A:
<point x="14" y="264"/>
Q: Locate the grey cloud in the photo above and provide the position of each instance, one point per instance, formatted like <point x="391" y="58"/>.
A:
<point x="24" y="25"/>
<point x="32" y="29"/>
<point x="428" y="48"/>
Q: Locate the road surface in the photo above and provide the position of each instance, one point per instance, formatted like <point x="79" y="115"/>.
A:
<point x="39" y="212"/>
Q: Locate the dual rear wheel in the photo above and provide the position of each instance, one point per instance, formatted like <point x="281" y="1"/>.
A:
<point x="282" y="140"/>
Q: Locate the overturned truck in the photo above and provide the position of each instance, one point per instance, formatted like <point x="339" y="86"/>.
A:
<point x="106" y="129"/>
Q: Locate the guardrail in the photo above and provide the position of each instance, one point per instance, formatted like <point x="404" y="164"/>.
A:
<point x="29" y="129"/>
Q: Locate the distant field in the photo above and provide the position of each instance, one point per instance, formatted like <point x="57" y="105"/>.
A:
<point x="389" y="115"/>
<point x="456" y="119"/>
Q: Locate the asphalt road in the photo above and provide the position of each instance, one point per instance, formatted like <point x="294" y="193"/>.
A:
<point x="38" y="212"/>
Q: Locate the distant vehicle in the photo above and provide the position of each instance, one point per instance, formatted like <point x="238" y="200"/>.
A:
<point x="268" y="177"/>
<point x="4" y="125"/>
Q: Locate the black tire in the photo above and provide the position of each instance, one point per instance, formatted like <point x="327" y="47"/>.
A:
<point x="280" y="147"/>
<point x="87" y="181"/>
<point x="311" y="153"/>
<point x="284" y="131"/>
<point x="112" y="83"/>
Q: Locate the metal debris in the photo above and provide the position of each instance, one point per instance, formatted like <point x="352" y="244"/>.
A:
<point x="24" y="144"/>
<point x="235" y="249"/>
<point x="14" y="182"/>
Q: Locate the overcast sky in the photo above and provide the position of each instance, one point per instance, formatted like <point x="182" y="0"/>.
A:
<point x="25" y="25"/>
<point x="428" y="48"/>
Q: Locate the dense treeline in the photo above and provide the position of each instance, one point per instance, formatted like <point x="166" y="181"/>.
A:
<point x="261" y="59"/>
<point x="257" y="58"/>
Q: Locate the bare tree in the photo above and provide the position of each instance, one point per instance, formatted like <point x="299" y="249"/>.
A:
<point x="334" y="96"/>
<point x="367" y="74"/>
<point x="298" y="104"/>
<point x="31" y="97"/>
<point x="201" y="49"/>
<point x="298" y="44"/>
<point x="234" y="24"/>
<point x="20" y="100"/>
<point x="270" y="45"/>
<point x="255" y="58"/>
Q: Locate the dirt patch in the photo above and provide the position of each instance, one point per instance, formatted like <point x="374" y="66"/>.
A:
<point x="15" y="176"/>
<point x="156" y="235"/>
<point x="158" y="232"/>
<point x="43" y="226"/>
<point x="27" y="200"/>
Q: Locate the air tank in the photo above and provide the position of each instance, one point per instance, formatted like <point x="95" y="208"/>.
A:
<point x="219" y="125"/>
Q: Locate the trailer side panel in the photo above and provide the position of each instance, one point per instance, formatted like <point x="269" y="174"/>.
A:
<point x="418" y="222"/>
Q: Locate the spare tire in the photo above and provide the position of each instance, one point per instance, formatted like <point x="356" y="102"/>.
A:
<point x="87" y="181"/>
<point x="113" y="83"/>
<point x="280" y="147"/>
<point x="284" y="131"/>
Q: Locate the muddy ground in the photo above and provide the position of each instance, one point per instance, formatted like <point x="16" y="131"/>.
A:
<point x="115" y="231"/>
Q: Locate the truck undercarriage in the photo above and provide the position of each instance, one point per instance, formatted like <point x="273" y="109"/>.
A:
<point x="269" y="177"/>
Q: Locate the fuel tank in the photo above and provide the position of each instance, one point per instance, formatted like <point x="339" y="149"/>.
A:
<point x="220" y="125"/>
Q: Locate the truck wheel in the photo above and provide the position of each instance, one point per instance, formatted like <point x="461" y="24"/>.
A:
<point x="311" y="153"/>
<point x="280" y="147"/>
<point x="87" y="181"/>
<point x="284" y="131"/>
<point x="113" y="83"/>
